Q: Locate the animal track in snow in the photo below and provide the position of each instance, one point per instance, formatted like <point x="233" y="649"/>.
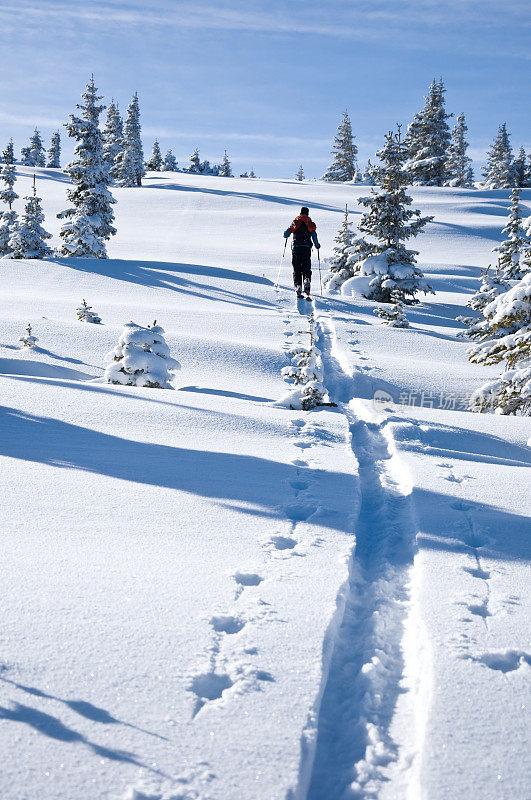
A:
<point x="480" y="609"/>
<point x="506" y="661"/>
<point x="478" y="572"/>
<point x="248" y="578"/>
<point x="227" y="624"/>
<point x="298" y="462"/>
<point x="298" y="512"/>
<point x="283" y="542"/>
<point x="299" y="485"/>
<point x="209" y="686"/>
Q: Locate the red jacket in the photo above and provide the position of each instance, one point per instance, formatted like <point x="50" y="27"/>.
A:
<point x="298" y="221"/>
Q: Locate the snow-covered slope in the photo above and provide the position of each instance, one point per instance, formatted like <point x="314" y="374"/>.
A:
<point x="207" y="596"/>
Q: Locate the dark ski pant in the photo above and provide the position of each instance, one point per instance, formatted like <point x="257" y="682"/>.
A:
<point x="301" y="258"/>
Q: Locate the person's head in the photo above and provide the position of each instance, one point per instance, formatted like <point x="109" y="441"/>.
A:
<point x="305" y="210"/>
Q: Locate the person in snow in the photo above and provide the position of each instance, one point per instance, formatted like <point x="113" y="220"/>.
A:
<point x="304" y="232"/>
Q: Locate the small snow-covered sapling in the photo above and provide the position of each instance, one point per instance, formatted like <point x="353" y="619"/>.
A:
<point x="393" y="316"/>
<point x="86" y="314"/>
<point x="28" y="340"/>
<point x="141" y="358"/>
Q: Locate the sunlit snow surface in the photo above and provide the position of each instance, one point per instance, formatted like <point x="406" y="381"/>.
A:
<point x="208" y="596"/>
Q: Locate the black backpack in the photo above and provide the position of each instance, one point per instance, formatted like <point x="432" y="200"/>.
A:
<point x="302" y="236"/>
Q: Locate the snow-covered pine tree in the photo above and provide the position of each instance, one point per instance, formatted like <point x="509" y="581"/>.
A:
<point x="490" y="287"/>
<point x="195" y="162"/>
<point x="427" y="140"/>
<point x="225" y="170"/>
<point x="170" y="162"/>
<point x="251" y="173"/>
<point x="113" y="135"/>
<point x="393" y="316"/>
<point x="28" y="340"/>
<point x="141" y="358"/>
<point x="155" y="162"/>
<point x="86" y="314"/>
<point x="344" y="154"/>
<point x="9" y="218"/>
<point x="206" y="169"/>
<point x="458" y="164"/>
<point x="512" y="248"/>
<point x="499" y="172"/>
<point x="25" y="157"/>
<point x="372" y="174"/>
<point x="28" y="240"/>
<point x="306" y="373"/>
<point x="509" y="318"/>
<point x="347" y="251"/>
<point x="38" y="157"/>
<point x="299" y="175"/>
<point x="391" y="222"/>
<point x="128" y="167"/>
<point x="520" y="169"/>
<point x="89" y="221"/>
<point x="54" y="151"/>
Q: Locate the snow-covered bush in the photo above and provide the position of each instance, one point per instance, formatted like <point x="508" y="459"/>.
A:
<point x="29" y="237"/>
<point x="86" y="314"/>
<point x="509" y="321"/>
<point x="393" y="316"/>
<point x="28" y="340"/>
<point x="141" y="358"/>
<point x="306" y="372"/>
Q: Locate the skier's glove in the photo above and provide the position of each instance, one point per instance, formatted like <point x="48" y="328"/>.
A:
<point x="317" y="246"/>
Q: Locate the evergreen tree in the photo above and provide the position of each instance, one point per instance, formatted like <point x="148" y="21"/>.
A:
<point x="394" y="316"/>
<point x="54" y="153"/>
<point x="128" y="167"/>
<point x="225" y="170"/>
<point x="25" y="157"/>
<point x="427" y="140"/>
<point x="206" y="169"/>
<point x="28" y="340"/>
<point x="9" y="218"/>
<point x="155" y="162"/>
<point x="86" y="314"/>
<point x="458" y="169"/>
<point x="512" y="248"/>
<point x="89" y="221"/>
<point x="251" y="174"/>
<point x="347" y="251"/>
<point x="37" y="155"/>
<point x="195" y="162"/>
<point x="170" y="162"/>
<point x="499" y="172"/>
<point x="113" y="135"/>
<point x="344" y="154"/>
<point x="391" y="223"/>
<point x="520" y="169"/>
<point x="372" y="175"/>
<point x="299" y="176"/>
<point x="141" y="358"/>
<point x="508" y="318"/>
<point x="28" y="240"/>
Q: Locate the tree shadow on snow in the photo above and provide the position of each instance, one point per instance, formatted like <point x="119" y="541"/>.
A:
<point x="169" y="275"/>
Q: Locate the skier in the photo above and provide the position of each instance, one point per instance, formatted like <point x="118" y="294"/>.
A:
<point x="304" y="235"/>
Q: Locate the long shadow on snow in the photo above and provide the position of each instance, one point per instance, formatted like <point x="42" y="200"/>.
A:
<point x="225" y="393"/>
<point x="164" y="275"/>
<point x="220" y="476"/>
<point x="268" y="198"/>
<point x="82" y="707"/>
<point x="53" y="728"/>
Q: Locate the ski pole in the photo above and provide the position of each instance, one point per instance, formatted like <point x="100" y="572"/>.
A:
<point x="281" y="262"/>
<point x="320" y="281"/>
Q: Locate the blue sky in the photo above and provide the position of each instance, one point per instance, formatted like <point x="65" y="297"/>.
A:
<point x="267" y="79"/>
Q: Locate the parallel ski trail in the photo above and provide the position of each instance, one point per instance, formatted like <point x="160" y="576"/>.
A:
<point x="354" y="745"/>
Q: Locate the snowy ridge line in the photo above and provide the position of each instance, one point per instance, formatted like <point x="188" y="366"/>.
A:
<point x="353" y="752"/>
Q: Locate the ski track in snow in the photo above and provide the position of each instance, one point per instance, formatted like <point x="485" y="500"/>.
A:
<point x="347" y="749"/>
